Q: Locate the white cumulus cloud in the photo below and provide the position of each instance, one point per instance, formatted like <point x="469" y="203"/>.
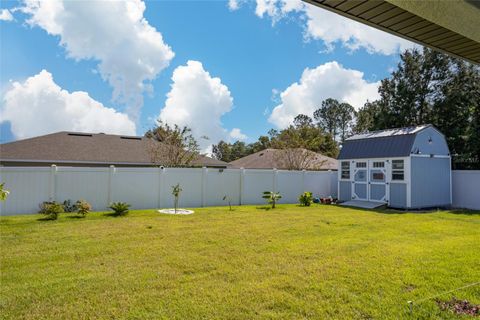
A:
<point x="236" y="134"/>
<point x="329" y="80"/>
<point x="198" y="100"/>
<point x="5" y="15"/>
<point x="331" y="28"/>
<point x="129" y="50"/>
<point x="233" y="5"/>
<point x="39" y="106"/>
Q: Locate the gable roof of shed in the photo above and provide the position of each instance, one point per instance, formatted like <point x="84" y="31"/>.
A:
<point x="396" y="142"/>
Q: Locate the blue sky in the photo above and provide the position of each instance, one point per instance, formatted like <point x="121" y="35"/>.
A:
<point x="256" y="56"/>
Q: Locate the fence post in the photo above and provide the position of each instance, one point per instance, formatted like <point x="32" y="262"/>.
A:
<point x="160" y="180"/>
<point x="275" y="179"/>
<point x="204" y="185"/>
<point x="329" y="182"/>
<point x="111" y="172"/>
<point x="242" y="183"/>
<point x="53" y="172"/>
<point x="304" y="172"/>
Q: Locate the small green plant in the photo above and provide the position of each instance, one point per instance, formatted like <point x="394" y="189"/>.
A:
<point x="3" y="192"/>
<point x="176" y="190"/>
<point x="119" y="208"/>
<point x="83" y="207"/>
<point x="69" y="206"/>
<point x="306" y="199"/>
<point x="229" y="200"/>
<point x="271" y="197"/>
<point x="51" y="209"/>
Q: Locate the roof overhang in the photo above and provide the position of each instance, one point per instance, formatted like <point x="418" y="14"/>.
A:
<point x="452" y="27"/>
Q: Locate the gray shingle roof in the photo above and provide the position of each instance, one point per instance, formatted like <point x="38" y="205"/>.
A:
<point x="74" y="147"/>
<point x="272" y="158"/>
<point x="378" y="144"/>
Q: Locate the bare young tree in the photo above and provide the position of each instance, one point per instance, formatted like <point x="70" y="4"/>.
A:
<point x="172" y="146"/>
<point x="298" y="159"/>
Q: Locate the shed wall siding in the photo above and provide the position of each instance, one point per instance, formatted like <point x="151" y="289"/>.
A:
<point x="438" y="146"/>
<point x="398" y="195"/>
<point x="345" y="191"/>
<point x="430" y="178"/>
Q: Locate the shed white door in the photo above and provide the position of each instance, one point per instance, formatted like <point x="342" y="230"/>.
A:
<point x="377" y="181"/>
<point x="370" y="180"/>
<point x="360" y="180"/>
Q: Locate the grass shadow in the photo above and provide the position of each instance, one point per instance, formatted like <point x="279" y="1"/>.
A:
<point x="266" y="208"/>
<point x="386" y="210"/>
<point x="76" y="217"/>
<point x="114" y="214"/>
<point x="47" y="219"/>
<point x="467" y="212"/>
<point x="383" y="209"/>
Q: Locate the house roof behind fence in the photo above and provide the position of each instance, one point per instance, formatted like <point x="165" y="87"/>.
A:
<point x="95" y="148"/>
<point x="273" y="158"/>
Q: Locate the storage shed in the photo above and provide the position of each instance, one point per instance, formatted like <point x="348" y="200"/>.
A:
<point x="405" y="168"/>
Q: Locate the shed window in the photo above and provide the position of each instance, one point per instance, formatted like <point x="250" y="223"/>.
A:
<point x="398" y="170"/>
<point x="378" y="176"/>
<point x="345" y="170"/>
<point x="361" y="164"/>
<point x="379" y="164"/>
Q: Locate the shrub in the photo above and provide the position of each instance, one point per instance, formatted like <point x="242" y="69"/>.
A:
<point x="51" y="209"/>
<point x="3" y="192"/>
<point x="68" y="206"/>
<point x="120" y="208"/>
<point x="83" y="207"/>
<point x="306" y="199"/>
<point x="271" y="197"/>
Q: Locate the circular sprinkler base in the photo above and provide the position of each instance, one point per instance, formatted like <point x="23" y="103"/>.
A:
<point x="179" y="211"/>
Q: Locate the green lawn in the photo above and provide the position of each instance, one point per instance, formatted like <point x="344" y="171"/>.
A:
<point x="289" y="263"/>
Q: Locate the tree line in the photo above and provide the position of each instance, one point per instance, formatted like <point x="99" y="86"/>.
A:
<point x="426" y="87"/>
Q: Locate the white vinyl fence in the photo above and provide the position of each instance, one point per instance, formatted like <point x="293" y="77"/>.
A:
<point x="147" y="188"/>
<point x="466" y="189"/>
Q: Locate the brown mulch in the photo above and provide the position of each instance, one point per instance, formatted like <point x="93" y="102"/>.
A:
<point x="459" y="307"/>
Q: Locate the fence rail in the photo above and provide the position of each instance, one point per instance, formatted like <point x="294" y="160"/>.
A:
<point x="151" y="187"/>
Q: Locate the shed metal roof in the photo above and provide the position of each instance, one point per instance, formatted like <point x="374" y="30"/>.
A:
<point x="391" y="146"/>
<point x="396" y="142"/>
